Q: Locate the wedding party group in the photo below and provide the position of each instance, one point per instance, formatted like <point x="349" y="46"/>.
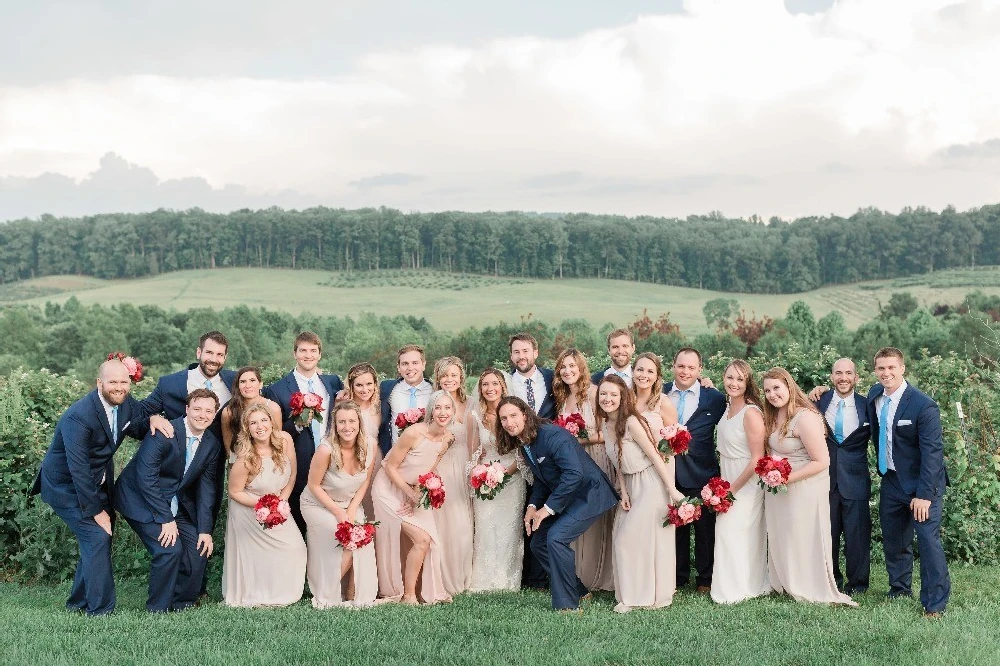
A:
<point x="415" y="489"/>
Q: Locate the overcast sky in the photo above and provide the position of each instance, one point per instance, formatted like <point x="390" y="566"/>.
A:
<point x="662" y="107"/>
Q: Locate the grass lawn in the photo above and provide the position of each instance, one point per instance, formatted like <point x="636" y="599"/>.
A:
<point x="511" y="628"/>
<point x="453" y="302"/>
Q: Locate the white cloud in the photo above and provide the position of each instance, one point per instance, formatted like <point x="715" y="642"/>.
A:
<point x="742" y="100"/>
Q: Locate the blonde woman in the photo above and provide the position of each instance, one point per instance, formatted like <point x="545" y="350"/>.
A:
<point x="362" y="389"/>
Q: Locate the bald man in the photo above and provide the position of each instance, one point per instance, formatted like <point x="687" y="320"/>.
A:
<point x="77" y="479"/>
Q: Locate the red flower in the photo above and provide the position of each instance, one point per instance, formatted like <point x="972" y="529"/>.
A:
<point x="297" y="402"/>
<point x="432" y="490"/>
<point x="685" y="513"/>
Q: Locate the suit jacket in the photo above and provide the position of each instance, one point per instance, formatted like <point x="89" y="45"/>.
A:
<point x="281" y="392"/>
<point x="917" y="443"/>
<point x="386" y="426"/>
<point x="82" y="453"/>
<point x="170" y="395"/>
<point x="156" y="474"/>
<point x="547" y="410"/>
<point x="849" y="473"/>
<point x="700" y="463"/>
<point x="567" y="480"/>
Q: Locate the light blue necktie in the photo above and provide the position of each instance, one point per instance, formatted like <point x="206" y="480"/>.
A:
<point x="317" y="429"/>
<point x="838" y="424"/>
<point x="883" y="436"/>
<point x="208" y="384"/>
<point x="188" y="456"/>
<point x="114" y="425"/>
<point x="680" y="406"/>
<point x="527" y="452"/>
<point x="622" y="375"/>
<point x="413" y="397"/>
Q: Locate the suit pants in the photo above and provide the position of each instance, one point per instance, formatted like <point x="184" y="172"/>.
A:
<point x="551" y="544"/>
<point x="898" y="527"/>
<point x="704" y="546"/>
<point x="533" y="574"/>
<point x="851" y="519"/>
<point x="176" y="572"/>
<point x="93" y="588"/>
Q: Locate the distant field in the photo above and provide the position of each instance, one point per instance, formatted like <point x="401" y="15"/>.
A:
<point x="454" y="301"/>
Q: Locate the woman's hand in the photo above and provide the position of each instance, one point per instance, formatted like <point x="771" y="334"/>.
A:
<point x="676" y="496"/>
<point x="352" y="515"/>
<point x="625" y="503"/>
<point x="341" y="515"/>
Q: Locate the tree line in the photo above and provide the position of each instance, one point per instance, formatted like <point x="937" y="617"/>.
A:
<point x="707" y="252"/>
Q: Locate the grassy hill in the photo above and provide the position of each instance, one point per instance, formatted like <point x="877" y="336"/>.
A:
<point x="453" y="301"/>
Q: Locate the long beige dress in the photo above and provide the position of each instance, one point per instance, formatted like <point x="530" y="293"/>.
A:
<point x="454" y="518"/>
<point x="392" y="510"/>
<point x="798" y="530"/>
<point x="593" y="548"/>
<point x="371" y="418"/>
<point x="262" y="567"/>
<point x="740" y="570"/>
<point x="325" y="555"/>
<point x="645" y="552"/>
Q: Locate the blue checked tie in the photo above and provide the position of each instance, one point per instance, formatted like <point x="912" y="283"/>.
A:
<point x="883" y="436"/>
<point x="838" y="424"/>
<point x="188" y="457"/>
<point x="114" y="424"/>
<point x="680" y="406"/>
<point x="413" y="397"/>
<point x="317" y="429"/>
<point x="530" y="394"/>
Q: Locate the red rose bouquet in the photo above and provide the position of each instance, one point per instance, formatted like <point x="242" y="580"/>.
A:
<point x="272" y="511"/>
<point x="573" y="423"/>
<point x="773" y="473"/>
<point x="717" y="496"/>
<point x="431" y="490"/>
<point x="135" y="370"/>
<point x="306" y="407"/>
<point x="674" y="440"/>
<point x="412" y="415"/>
<point x="352" y="536"/>
<point x="488" y="480"/>
<point x="685" y="513"/>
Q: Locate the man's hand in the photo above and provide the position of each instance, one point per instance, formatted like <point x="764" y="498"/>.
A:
<point x="158" y="424"/>
<point x="104" y="520"/>
<point x="205" y="545"/>
<point x="538" y="517"/>
<point x="818" y="392"/>
<point x="168" y="534"/>
<point x="921" y="509"/>
<point x="706" y="382"/>
<point x="529" y="515"/>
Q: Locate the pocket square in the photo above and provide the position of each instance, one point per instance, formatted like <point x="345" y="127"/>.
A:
<point x="904" y="422"/>
<point x="541" y="460"/>
<point x="127" y="423"/>
<point x="864" y="424"/>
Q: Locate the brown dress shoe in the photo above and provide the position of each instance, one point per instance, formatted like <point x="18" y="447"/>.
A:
<point x="704" y="589"/>
<point x="932" y="615"/>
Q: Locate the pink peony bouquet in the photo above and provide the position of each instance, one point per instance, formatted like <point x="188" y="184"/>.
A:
<point x="488" y="480"/>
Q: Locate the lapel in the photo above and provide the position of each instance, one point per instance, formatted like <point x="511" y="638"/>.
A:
<point x="861" y="406"/>
<point x="873" y="408"/>
<point x="102" y="416"/>
<point x="904" y="400"/>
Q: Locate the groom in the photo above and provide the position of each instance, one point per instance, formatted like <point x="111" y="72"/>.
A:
<point x="570" y="493"/>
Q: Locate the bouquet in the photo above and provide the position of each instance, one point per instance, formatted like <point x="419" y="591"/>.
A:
<point x="135" y="371"/>
<point x="685" y="513"/>
<point x="488" y="480"/>
<point x="773" y="473"/>
<point x="431" y="490"/>
<point x="272" y="511"/>
<point x="674" y="440"/>
<point x="412" y="415"/>
<point x="305" y="408"/>
<point x="573" y="423"/>
<point x="716" y="495"/>
<point x="352" y="536"/>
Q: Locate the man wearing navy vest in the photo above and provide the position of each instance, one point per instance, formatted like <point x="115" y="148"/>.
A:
<point x="409" y="390"/>
<point x="699" y="409"/>
<point x="847" y="436"/>
<point x="621" y="347"/>
<point x="167" y="494"/>
<point x="906" y="429"/>
<point x="305" y="378"/>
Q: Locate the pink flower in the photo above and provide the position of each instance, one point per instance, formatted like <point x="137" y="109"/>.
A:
<point x="130" y="365"/>
<point x="573" y="428"/>
<point x="412" y="415"/>
<point x="358" y="532"/>
<point x="686" y="511"/>
<point x="706" y="493"/>
<point x="713" y="500"/>
<point x="479" y="470"/>
<point x="432" y="483"/>
<point x="773" y="478"/>
<point x="262" y="514"/>
<point x="312" y="401"/>
<point x="284" y="509"/>
<point x="495" y="475"/>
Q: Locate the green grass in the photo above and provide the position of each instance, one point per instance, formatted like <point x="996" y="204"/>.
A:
<point x="452" y="302"/>
<point x="511" y="628"/>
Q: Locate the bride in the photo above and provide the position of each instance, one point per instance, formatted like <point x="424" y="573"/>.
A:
<point x="498" y="544"/>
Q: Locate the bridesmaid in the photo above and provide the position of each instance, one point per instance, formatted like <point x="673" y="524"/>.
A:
<point x="339" y="476"/>
<point x="248" y="387"/>
<point x="575" y="394"/>
<point x="798" y="521"/>
<point x="397" y="508"/>
<point x="454" y="519"/>
<point x="647" y="384"/>
<point x="645" y="552"/>
<point x="262" y="567"/>
<point x="362" y="389"/>
<point x="740" y="570"/>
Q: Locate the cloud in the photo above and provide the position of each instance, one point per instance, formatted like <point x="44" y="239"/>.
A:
<point x="561" y="179"/>
<point x="386" y="180"/>
<point x="989" y="149"/>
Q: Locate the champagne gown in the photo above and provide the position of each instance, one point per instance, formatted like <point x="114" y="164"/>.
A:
<point x="371" y="418"/>
<point x="262" y="567"/>
<point x="454" y="518"/>
<point x="798" y="529"/>
<point x="740" y="570"/>
<point x="593" y="549"/>
<point x="325" y="555"/>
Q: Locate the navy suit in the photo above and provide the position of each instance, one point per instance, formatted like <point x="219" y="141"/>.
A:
<point x="145" y="487"/>
<point x="918" y="456"/>
<point x="80" y="456"/>
<point x="850" y="490"/>
<point x="281" y="392"/>
<point x="570" y="483"/>
<point x="693" y="470"/>
<point x="385" y="426"/>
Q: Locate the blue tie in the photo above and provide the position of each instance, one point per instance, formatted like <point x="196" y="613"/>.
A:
<point x="680" y="406"/>
<point x="413" y="397"/>
<point x="883" y="436"/>
<point x="208" y="384"/>
<point x="317" y="429"/>
<point x="114" y="425"/>
<point x="531" y="457"/>
<point x="838" y="424"/>
<point x="188" y="456"/>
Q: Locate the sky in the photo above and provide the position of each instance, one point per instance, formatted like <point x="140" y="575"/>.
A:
<point x="648" y="107"/>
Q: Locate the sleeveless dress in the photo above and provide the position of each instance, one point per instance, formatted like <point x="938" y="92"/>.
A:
<point x="325" y="555"/>
<point x="593" y="548"/>
<point x="389" y="503"/>
<point x="370" y="420"/>
<point x="645" y="552"/>
<point x="740" y="570"/>
<point x="498" y="547"/>
<point x="262" y="567"/>
<point x="454" y="518"/>
<point x="798" y="530"/>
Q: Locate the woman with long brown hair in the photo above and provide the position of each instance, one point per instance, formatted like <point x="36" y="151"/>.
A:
<point x="362" y="389"/>
<point x="247" y="384"/>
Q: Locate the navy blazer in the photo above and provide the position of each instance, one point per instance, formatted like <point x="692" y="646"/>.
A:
<point x="82" y="452"/>
<point x="917" y="443"/>
<point x="156" y="474"/>
<point x="281" y="392"/>
<point x="170" y="395"/>
<point x="386" y="425"/>
<point x="849" y="474"/>
<point x="699" y="464"/>
<point x="547" y="410"/>
<point x="567" y="480"/>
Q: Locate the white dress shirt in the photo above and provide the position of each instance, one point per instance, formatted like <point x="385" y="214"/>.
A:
<point x="890" y="419"/>
<point x="196" y="379"/>
<point x="625" y="374"/>
<point x="690" y="402"/>
<point x="188" y="432"/>
<point x="850" y="414"/>
<point x="399" y="401"/>
<point x="519" y="386"/>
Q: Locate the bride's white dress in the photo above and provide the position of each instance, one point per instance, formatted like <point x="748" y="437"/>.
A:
<point x="498" y="541"/>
